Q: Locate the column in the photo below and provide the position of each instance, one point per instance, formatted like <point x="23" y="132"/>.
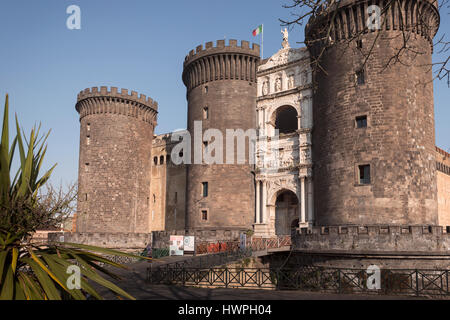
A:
<point x="264" y="202"/>
<point x="258" y="203"/>
<point x="303" y="200"/>
<point x="310" y="200"/>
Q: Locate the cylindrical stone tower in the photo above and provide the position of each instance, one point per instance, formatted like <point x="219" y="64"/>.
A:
<point x="116" y="133"/>
<point x="374" y="136"/>
<point x="221" y="93"/>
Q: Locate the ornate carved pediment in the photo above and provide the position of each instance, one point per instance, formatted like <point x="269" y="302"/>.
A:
<point x="284" y="56"/>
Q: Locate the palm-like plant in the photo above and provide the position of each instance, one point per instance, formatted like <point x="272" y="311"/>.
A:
<point x="29" y="271"/>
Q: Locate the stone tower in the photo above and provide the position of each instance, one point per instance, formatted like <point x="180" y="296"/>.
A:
<point x="116" y="132"/>
<point x="374" y="136"/>
<point x="221" y="93"/>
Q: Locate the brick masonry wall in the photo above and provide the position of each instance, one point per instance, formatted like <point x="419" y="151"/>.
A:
<point x="116" y="132"/>
<point x="398" y="144"/>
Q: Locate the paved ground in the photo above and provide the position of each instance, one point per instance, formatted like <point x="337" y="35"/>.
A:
<point x="134" y="283"/>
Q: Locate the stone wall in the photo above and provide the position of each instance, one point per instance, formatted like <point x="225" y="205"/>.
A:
<point x="443" y="186"/>
<point x="399" y="141"/>
<point x="116" y="132"/>
<point x="221" y="78"/>
<point x="119" y="241"/>
<point x="168" y="188"/>
<point x="161" y="239"/>
<point x="374" y="239"/>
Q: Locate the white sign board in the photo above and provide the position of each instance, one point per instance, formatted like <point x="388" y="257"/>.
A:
<point x="176" y="245"/>
<point x="189" y="244"/>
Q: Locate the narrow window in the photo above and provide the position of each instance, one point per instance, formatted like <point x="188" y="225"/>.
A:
<point x="154" y="198"/>
<point x="86" y="167"/>
<point x="204" y="215"/>
<point x="360" y="77"/>
<point x="361" y="122"/>
<point x="85" y="197"/>
<point x="161" y="160"/>
<point x="206" y="89"/>
<point x="205" y="189"/>
<point x="155" y="160"/>
<point x="205" y="113"/>
<point x="88" y="140"/>
<point x="364" y="174"/>
<point x="88" y="127"/>
<point x="176" y="197"/>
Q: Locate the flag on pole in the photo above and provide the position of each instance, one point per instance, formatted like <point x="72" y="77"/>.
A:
<point x="258" y="31"/>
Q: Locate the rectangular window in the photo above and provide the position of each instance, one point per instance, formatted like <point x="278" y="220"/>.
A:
<point x="361" y="122"/>
<point x="86" y="167"/>
<point x="205" y="113"/>
<point x="204" y="215"/>
<point x="88" y="140"/>
<point x="364" y="174"/>
<point x="204" y="189"/>
<point x="360" y="77"/>
<point x="176" y="197"/>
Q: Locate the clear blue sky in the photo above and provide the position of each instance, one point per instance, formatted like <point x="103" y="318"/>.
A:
<point x="135" y="44"/>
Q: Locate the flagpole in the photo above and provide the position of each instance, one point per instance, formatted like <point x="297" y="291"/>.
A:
<point x="262" y="42"/>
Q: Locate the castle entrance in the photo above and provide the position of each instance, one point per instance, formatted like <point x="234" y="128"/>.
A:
<point x="286" y="211"/>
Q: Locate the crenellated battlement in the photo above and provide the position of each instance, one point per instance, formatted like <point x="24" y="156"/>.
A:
<point x="374" y="238"/>
<point x="374" y="230"/>
<point x="221" y="62"/>
<point x="104" y="100"/>
<point x="113" y="92"/>
<point x="221" y="47"/>
<point x="350" y="19"/>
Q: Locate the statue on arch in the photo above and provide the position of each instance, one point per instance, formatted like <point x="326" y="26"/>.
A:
<point x="285" y="34"/>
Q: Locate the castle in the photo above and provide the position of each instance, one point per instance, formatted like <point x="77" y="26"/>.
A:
<point x="356" y="146"/>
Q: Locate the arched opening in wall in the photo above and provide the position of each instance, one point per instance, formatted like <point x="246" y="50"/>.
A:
<point x="286" y="119"/>
<point x="286" y="212"/>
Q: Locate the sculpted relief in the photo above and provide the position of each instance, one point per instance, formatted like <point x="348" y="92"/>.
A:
<point x="278" y="84"/>
<point x="289" y="182"/>
<point x="265" y="88"/>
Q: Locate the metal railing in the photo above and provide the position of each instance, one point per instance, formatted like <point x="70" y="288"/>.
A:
<point x="392" y="281"/>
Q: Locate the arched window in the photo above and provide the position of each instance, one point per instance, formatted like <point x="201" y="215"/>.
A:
<point x="161" y="160"/>
<point x="155" y="160"/>
<point x="286" y="119"/>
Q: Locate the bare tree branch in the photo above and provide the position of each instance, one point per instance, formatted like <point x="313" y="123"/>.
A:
<point x="324" y="17"/>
